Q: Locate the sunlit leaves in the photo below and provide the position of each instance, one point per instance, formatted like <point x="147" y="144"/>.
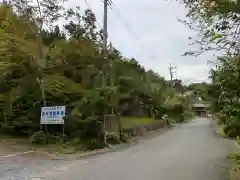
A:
<point x="215" y="36"/>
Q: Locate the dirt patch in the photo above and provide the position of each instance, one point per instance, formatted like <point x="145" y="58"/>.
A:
<point x="10" y="145"/>
<point x="234" y="174"/>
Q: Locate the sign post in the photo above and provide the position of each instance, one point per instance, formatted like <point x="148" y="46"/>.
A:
<point x="53" y="115"/>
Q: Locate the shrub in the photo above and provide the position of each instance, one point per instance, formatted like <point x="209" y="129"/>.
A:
<point x="232" y="130"/>
<point x="38" y="138"/>
<point x="95" y="144"/>
<point x="124" y="137"/>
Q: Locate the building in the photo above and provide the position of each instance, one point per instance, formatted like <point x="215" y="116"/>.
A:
<point x="200" y="109"/>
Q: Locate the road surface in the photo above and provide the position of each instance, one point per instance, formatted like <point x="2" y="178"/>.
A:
<point x="188" y="152"/>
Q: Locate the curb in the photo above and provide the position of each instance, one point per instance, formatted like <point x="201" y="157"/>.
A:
<point x="132" y="141"/>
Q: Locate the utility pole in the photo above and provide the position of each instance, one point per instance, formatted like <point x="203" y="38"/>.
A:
<point x="171" y="72"/>
<point x="105" y="33"/>
<point x="105" y="52"/>
<point x="106" y="74"/>
<point x="105" y="37"/>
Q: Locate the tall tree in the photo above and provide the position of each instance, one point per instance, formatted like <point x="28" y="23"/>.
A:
<point x="72" y="77"/>
<point x="38" y="14"/>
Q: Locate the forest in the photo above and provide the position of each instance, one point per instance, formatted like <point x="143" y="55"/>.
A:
<point x="45" y="64"/>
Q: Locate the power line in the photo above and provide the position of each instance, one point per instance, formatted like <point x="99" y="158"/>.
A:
<point x="122" y="19"/>
<point x="126" y="24"/>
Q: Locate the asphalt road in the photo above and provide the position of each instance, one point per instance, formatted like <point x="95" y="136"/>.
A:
<point x="24" y="166"/>
<point x="187" y="152"/>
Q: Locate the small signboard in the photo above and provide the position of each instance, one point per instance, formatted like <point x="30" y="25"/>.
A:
<point x="52" y="115"/>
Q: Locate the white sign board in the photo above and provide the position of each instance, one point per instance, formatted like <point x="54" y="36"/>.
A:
<point x="52" y="115"/>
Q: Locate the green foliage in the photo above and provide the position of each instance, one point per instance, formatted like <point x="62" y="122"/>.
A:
<point x="38" y="138"/>
<point x="218" y="24"/>
<point x="200" y="89"/>
<point x="232" y="130"/>
<point x="124" y="137"/>
<point x="48" y="66"/>
<point x="188" y="115"/>
<point x="238" y="140"/>
<point x="234" y="162"/>
<point x="225" y="94"/>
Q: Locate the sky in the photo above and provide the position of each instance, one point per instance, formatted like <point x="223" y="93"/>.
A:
<point x="156" y="38"/>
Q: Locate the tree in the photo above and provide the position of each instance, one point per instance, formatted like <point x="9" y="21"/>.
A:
<point x="200" y="89"/>
<point x="218" y="25"/>
<point x="71" y="76"/>
<point x="177" y="84"/>
<point x="37" y="15"/>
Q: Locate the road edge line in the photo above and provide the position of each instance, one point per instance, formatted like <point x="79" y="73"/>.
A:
<point x="16" y="154"/>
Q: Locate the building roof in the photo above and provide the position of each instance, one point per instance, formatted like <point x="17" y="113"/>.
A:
<point x="199" y="105"/>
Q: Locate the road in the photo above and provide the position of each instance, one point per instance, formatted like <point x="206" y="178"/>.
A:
<point x="187" y="152"/>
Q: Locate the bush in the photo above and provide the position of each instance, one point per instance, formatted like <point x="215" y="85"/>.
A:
<point x="124" y="137"/>
<point x="87" y="128"/>
<point x="232" y="130"/>
<point x="38" y="138"/>
<point x="188" y="115"/>
<point x="95" y="144"/>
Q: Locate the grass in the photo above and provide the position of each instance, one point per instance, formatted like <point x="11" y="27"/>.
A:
<point x="137" y="121"/>
<point x="238" y="140"/>
<point x="234" y="164"/>
<point x="15" y="144"/>
<point x="234" y="158"/>
<point x="220" y="130"/>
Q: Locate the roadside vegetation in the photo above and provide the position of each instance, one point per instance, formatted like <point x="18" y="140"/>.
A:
<point x="234" y="171"/>
<point x="218" y="25"/>
<point x="45" y="64"/>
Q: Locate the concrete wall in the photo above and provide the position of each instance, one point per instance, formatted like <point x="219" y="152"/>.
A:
<point x="141" y="130"/>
